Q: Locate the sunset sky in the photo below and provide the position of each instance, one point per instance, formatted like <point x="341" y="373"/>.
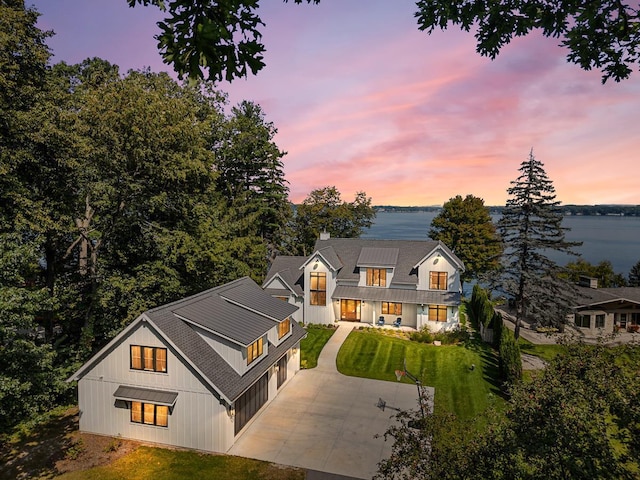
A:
<point x="364" y="101"/>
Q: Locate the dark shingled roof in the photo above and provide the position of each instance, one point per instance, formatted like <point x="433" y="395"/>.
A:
<point x="399" y="295"/>
<point x="288" y="268"/>
<point x="410" y="253"/>
<point x="159" y="397"/>
<point x="252" y="297"/>
<point x="377" y="257"/>
<point x="592" y="296"/>
<point x="211" y="364"/>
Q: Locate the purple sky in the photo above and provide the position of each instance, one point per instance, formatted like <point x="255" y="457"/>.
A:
<point x="364" y="101"/>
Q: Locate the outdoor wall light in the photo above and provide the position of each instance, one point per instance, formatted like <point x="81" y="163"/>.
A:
<point x="232" y="411"/>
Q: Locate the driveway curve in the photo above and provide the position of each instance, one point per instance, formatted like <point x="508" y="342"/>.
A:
<point x="325" y="421"/>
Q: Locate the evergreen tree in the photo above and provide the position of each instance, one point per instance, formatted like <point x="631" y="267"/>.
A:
<point x="251" y="175"/>
<point x="531" y="226"/>
<point x="465" y="226"/>
<point x="634" y="275"/>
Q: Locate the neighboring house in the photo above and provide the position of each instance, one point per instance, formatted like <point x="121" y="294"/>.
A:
<point x="603" y="310"/>
<point x="192" y="373"/>
<point x="359" y="280"/>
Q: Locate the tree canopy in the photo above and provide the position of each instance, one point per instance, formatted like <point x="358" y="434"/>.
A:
<point x="223" y="36"/>
<point x="577" y="418"/>
<point x="324" y="211"/>
<point x="465" y="226"/>
<point x="603" y="271"/>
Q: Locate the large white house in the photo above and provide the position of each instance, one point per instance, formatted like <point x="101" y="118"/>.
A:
<point x="194" y="372"/>
<point x="406" y="282"/>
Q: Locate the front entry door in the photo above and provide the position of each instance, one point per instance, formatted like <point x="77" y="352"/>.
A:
<point x="350" y="310"/>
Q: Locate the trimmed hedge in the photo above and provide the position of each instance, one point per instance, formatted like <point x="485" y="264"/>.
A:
<point x="510" y="359"/>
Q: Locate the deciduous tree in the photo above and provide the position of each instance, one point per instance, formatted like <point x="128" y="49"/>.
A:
<point x="530" y="227"/>
<point x="603" y="271"/>
<point x="465" y="226"/>
<point x="324" y="210"/>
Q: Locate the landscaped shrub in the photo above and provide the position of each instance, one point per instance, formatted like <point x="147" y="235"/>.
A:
<point x="423" y="335"/>
<point x="497" y="324"/>
<point x="510" y="359"/>
<point x="480" y="309"/>
<point x="451" y="337"/>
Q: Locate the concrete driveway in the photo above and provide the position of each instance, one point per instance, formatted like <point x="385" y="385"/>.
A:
<point x="325" y="421"/>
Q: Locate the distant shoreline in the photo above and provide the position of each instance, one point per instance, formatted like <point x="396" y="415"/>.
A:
<point x="577" y="210"/>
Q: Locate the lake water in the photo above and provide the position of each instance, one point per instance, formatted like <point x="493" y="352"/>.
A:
<point x="616" y="239"/>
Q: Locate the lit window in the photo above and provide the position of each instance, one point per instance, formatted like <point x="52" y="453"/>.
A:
<point x="391" y="308"/>
<point x="284" y="327"/>
<point x="438" y="313"/>
<point x="254" y="350"/>
<point x="318" y="288"/>
<point x="152" y="359"/>
<point x="438" y="280"/>
<point x="376" y="277"/>
<point x="150" y="414"/>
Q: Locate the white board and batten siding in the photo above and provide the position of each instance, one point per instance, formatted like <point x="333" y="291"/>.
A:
<point x="322" y="314"/>
<point x="438" y="262"/>
<point x="197" y="420"/>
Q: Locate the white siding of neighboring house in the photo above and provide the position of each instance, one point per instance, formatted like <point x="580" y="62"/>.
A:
<point x="196" y="421"/>
<point x="316" y="313"/>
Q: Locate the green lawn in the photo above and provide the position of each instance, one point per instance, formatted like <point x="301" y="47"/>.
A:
<point x="460" y="390"/>
<point x="159" y="463"/>
<point x="310" y="347"/>
<point x="545" y="352"/>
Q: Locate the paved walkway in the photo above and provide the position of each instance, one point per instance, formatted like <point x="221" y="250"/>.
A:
<point x="326" y="422"/>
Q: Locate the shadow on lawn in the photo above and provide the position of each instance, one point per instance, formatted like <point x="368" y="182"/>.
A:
<point x="490" y="366"/>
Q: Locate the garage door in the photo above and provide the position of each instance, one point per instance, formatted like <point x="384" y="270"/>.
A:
<point x="250" y="402"/>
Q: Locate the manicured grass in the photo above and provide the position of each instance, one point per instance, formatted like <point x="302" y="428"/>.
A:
<point x="159" y="464"/>
<point x="310" y="347"/>
<point x="545" y="352"/>
<point x="458" y="389"/>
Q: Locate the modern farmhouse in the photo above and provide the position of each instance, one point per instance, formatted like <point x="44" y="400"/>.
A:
<point x="392" y="282"/>
<point x="194" y="372"/>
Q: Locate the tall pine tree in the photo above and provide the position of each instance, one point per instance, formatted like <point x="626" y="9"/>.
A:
<point x="531" y="227"/>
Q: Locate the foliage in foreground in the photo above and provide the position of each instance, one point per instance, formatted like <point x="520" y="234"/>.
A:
<point x="579" y="418"/>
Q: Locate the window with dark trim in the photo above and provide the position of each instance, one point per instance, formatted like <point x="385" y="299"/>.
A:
<point x="437" y="280"/>
<point x="391" y="308"/>
<point x="583" y="321"/>
<point x="376" y="277"/>
<point x="284" y="327"/>
<point x="254" y="350"/>
<point x="318" y="288"/>
<point x="150" y="414"/>
<point x="438" y="313"/>
<point x="600" y="321"/>
<point x="150" y="359"/>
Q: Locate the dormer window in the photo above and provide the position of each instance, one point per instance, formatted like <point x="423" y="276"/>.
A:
<point x="376" y="277"/>
<point x="254" y="351"/>
<point x="437" y="280"/>
<point x="284" y="327"/>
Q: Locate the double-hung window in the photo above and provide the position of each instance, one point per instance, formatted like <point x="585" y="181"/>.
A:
<point x="437" y="280"/>
<point x="376" y="277"/>
<point x="583" y="320"/>
<point x="391" y="308"/>
<point x="150" y="414"/>
<point x="438" y="313"/>
<point x="318" y="288"/>
<point x="150" y="359"/>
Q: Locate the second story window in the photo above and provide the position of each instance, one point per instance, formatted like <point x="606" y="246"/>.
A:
<point x="254" y="350"/>
<point x="150" y="359"/>
<point x="284" y="327"/>
<point x="437" y="280"/>
<point x="376" y="277"/>
<point x="318" y="288"/>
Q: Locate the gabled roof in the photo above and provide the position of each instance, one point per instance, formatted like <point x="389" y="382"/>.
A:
<point x="597" y="296"/>
<point x="287" y="269"/>
<point x="447" y="251"/>
<point x="410" y="254"/>
<point x="178" y="331"/>
<point x="328" y="255"/>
